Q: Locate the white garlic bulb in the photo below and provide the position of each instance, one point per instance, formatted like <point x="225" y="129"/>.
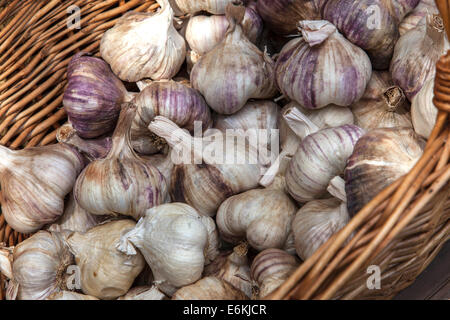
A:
<point x="320" y="157"/>
<point x="176" y="242"/>
<point x="235" y="70"/>
<point x="209" y="288"/>
<point x="38" y="267"/>
<point x="69" y="295"/>
<point x="106" y="273"/>
<point x="316" y="222"/>
<point x="322" y="67"/>
<point x="134" y="52"/>
<point x="144" y="293"/>
<point x="182" y="7"/>
<point x="423" y="110"/>
<point x="261" y="216"/>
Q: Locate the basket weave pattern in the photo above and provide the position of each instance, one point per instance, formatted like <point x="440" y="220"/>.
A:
<point x="400" y="231"/>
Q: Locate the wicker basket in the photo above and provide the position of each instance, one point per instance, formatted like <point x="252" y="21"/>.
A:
<point x="400" y="231"/>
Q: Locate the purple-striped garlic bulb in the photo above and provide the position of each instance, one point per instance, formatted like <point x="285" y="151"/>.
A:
<point x="235" y="70"/>
<point x="418" y="15"/>
<point x="93" y="96"/>
<point x="270" y="269"/>
<point x="383" y="105"/>
<point x="320" y="157"/>
<point x="378" y="160"/>
<point x="282" y="16"/>
<point x="176" y="241"/>
<point x="262" y="217"/>
<point x="182" y="7"/>
<point x="122" y="182"/>
<point x="416" y="54"/>
<point x="174" y="100"/>
<point x="322" y="67"/>
<point x="423" y="111"/>
<point x="209" y="170"/>
<point x="203" y="32"/>
<point x="370" y="24"/>
<point x="144" y="45"/>
<point x="34" y="183"/>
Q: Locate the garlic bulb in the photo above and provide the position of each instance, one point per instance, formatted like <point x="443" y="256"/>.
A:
<point x="39" y="267"/>
<point x="105" y="272"/>
<point x="203" y="33"/>
<point x="176" y="242"/>
<point x="174" y="100"/>
<point x="417" y="16"/>
<point x="416" y="54"/>
<point x="233" y="268"/>
<point x="322" y="67"/>
<point x="379" y="159"/>
<point x="370" y="24"/>
<point x="316" y="222"/>
<point x="205" y="180"/>
<point x="134" y="53"/>
<point x="144" y="293"/>
<point x="92" y="148"/>
<point x="261" y="216"/>
<point x="121" y="183"/>
<point x="209" y="288"/>
<point x="320" y="157"/>
<point x="423" y="110"/>
<point x="34" y="183"/>
<point x="270" y="269"/>
<point x="383" y="105"/>
<point x="75" y="218"/>
<point x="254" y="117"/>
<point x="182" y="7"/>
<point x="69" y="295"/>
<point x="93" y="96"/>
<point x="283" y="16"/>
<point x="235" y="70"/>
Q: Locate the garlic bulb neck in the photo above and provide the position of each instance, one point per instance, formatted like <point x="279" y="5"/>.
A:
<point x="435" y="27"/>
<point x="337" y="188"/>
<point x="121" y="139"/>
<point x="299" y="122"/>
<point x="316" y="32"/>
<point x="394" y="97"/>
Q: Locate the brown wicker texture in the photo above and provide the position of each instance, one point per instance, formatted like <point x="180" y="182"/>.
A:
<point x="36" y="46"/>
<point x="400" y="231"/>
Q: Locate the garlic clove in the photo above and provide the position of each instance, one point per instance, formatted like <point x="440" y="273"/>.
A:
<point x="261" y="216"/>
<point x="270" y="269"/>
<point x="423" y="111"/>
<point x="122" y="183"/>
<point x="209" y="288"/>
<point x="144" y="293"/>
<point x="68" y="295"/>
<point x="418" y="15"/>
<point x="105" y="272"/>
<point x="176" y="242"/>
<point x="235" y="70"/>
<point x="322" y="67"/>
<point x="316" y="222"/>
<point x="134" y="53"/>
<point x="34" y="182"/>
<point x="320" y="157"/>
<point x="378" y="160"/>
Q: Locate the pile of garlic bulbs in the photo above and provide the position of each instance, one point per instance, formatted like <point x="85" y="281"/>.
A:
<point x="332" y="111"/>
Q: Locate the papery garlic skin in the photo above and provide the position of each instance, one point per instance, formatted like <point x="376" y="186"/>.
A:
<point x="34" y="182"/>
<point x="93" y="96"/>
<point x="182" y="7"/>
<point x="234" y="71"/>
<point x="416" y="54"/>
<point x="144" y="293"/>
<point x="134" y="53"/>
<point x="39" y="266"/>
<point x="209" y="288"/>
<point x="418" y="15"/>
<point x="378" y="160"/>
<point x="322" y="67"/>
<point x="122" y="183"/>
<point x="176" y="242"/>
<point x="261" y="216"/>
<point x="316" y="222"/>
<point x="106" y="273"/>
<point x="203" y="33"/>
<point x="68" y="295"/>
<point x="423" y="110"/>
<point x="282" y="16"/>
<point x="320" y="157"/>
<point x="384" y="105"/>
<point x="270" y="269"/>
